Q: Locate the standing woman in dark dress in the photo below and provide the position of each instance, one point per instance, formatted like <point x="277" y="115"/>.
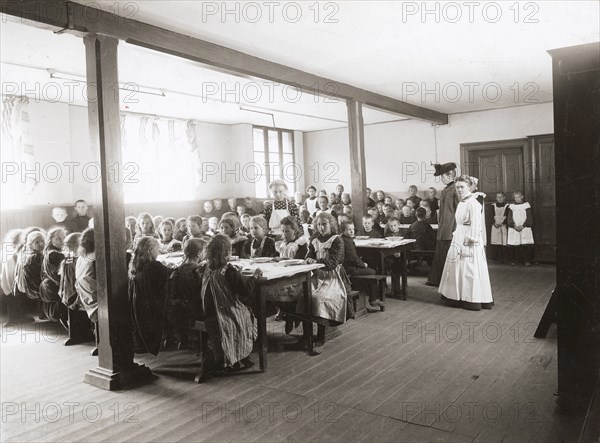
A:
<point x="279" y="207"/>
<point x="147" y="295"/>
<point x="446" y="224"/>
<point x="53" y="307"/>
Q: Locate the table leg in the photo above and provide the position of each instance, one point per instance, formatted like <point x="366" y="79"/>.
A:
<point x="404" y="273"/>
<point x="262" y="328"/>
<point x="307" y="326"/>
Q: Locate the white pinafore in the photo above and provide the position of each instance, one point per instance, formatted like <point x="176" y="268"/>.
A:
<point x="525" y="237"/>
<point x="276" y="216"/>
<point x="499" y="236"/>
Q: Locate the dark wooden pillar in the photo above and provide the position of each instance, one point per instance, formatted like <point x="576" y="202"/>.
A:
<point x="356" y="134"/>
<point x="576" y="78"/>
<point x="116" y="368"/>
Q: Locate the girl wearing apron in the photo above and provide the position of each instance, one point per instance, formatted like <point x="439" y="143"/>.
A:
<point x="519" y="220"/>
<point x="499" y="231"/>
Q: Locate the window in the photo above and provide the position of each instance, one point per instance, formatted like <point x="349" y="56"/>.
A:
<point x="159" y="163"/>
<point x="274" y="155"/>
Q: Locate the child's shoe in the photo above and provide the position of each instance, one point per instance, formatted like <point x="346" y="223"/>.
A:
<point x="379" y="303"/>
<point x="373" y="307"/>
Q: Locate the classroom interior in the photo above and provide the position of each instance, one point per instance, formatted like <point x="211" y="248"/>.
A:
<point x="188" y="131"/>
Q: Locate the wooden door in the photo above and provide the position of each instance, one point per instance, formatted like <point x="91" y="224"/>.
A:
<point x="543" y="197"/>
<point x="497" y="170"/>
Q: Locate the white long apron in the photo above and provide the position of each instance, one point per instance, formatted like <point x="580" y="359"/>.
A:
<point x="499" y="236"/>
<point x="276" y="216"/>
<point x="465" y="276"/>
<point x="525" y="237"/>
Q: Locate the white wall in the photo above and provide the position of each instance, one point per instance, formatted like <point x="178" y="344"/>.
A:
<point x="398" y="154"/>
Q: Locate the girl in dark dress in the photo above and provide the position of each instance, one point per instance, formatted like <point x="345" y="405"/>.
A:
<point x="53" y="257"/>
<point x="225" y="295"/>
<point x="184" y="305"/>
<point x="260" y="245"/>
<point x="228" y="228"/>
<point x="147" y="295"/>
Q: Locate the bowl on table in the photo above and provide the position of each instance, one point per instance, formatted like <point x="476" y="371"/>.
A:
<point x="362" y="237"/>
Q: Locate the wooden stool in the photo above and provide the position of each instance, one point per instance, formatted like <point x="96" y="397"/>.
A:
<point x="371" y="283"/>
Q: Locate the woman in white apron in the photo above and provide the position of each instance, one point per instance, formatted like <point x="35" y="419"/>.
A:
<point x="465" y="279"/>
<point x="519" y="219"/>
<point x="279" y="208"/>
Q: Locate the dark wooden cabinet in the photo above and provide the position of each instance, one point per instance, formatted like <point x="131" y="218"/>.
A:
<point x="576" y="77"/>
<point x="539" y="178"/>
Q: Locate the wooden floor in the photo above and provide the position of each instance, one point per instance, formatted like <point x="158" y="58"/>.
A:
<point x="419" y="371"/>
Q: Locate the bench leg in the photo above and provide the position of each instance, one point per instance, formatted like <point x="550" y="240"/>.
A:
<point x="381" y="288"/>
<point x="202" y="376"/>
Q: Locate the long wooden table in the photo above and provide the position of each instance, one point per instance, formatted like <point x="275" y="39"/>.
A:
<point x="275" y="275"/>
<point x="386" y="247"/>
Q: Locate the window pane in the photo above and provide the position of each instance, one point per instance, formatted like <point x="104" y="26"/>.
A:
<point x="273" y="141"/>
<point x="260" y="187"/>
<point x="288" y="142"/>
<point x="259" y="141"/>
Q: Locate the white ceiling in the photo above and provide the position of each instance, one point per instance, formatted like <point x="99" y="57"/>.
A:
<point x="379" y="46"/>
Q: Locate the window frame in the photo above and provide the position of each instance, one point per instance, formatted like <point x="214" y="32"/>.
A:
<point x="266" y="154"/>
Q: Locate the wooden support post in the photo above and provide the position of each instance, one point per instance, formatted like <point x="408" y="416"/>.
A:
<point x="116" y="368"/>
<point x="356" y="133"/>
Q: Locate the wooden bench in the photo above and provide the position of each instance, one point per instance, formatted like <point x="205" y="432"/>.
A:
<point x="370" y="283"/>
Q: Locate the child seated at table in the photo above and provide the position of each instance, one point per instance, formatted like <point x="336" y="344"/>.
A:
<point x="388" y="201"/>
<point x="53" y="257"/>
<point x="131" y="224"/>
<point x="392" y="229"/>
<point x="293" y="245"/>
<point x="407" y="218"/>
<point x="194" y="229"/>
<point x="330" y="284"/>
<point x="354" y="265"/>
<point x="379" y="197"/>
<point x="248" y="207"/>
<point x="322" y="206"/>
<point x="156" y="221"/>
<point x="145" y="227"/>
<point x="227" y="227"/>
<point x="423" y="233"/>
<point x="399" y="203"/>
<point x="433" y="201"/>
<point x="180" y="229"/>
<point x="147" y="296"/>
<point x="430" y="217"/>
<point x="260" y="245"/>
<point x="369" y="228"/>
<point x="244" y="228"/>
<point x="59" y="215"/>
<point x="213" y="226"/>
<point x="167" y="242"/>
<point x="346" y="200"/>
<point x="85" y="275"/>
<point x="7" y="274"/>
<point x="67" y="290"/>
<point x="185" y="285"/>
<point x="342" y="218"/>
<point x="28" y="272"/>
<point x="306" y="221"/>
<point x="230" y="324"/>
<point x="413" y="190"/>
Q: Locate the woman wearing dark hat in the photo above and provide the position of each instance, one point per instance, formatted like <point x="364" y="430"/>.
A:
<point x="448" y="202"/>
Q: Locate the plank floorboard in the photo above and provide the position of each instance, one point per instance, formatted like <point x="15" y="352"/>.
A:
<point x="396" y="375"/>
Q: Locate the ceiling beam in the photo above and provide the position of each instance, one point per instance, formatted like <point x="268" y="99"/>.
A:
<point x="80" y="19"/>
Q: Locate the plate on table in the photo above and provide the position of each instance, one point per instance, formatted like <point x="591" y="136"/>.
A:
<point x="175" y="254"/>
<point x="362" y="237"/>
<point x="262" y="260"/>
<point x="292" y="262"/>
<point x="396" y="238"/>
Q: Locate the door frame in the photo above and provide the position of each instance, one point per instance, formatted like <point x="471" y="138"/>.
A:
<point x="523" y="143"/>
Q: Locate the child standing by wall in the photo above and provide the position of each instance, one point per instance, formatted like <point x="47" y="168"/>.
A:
<point x="519" y="219"/>
<point x="499" y="230"/>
